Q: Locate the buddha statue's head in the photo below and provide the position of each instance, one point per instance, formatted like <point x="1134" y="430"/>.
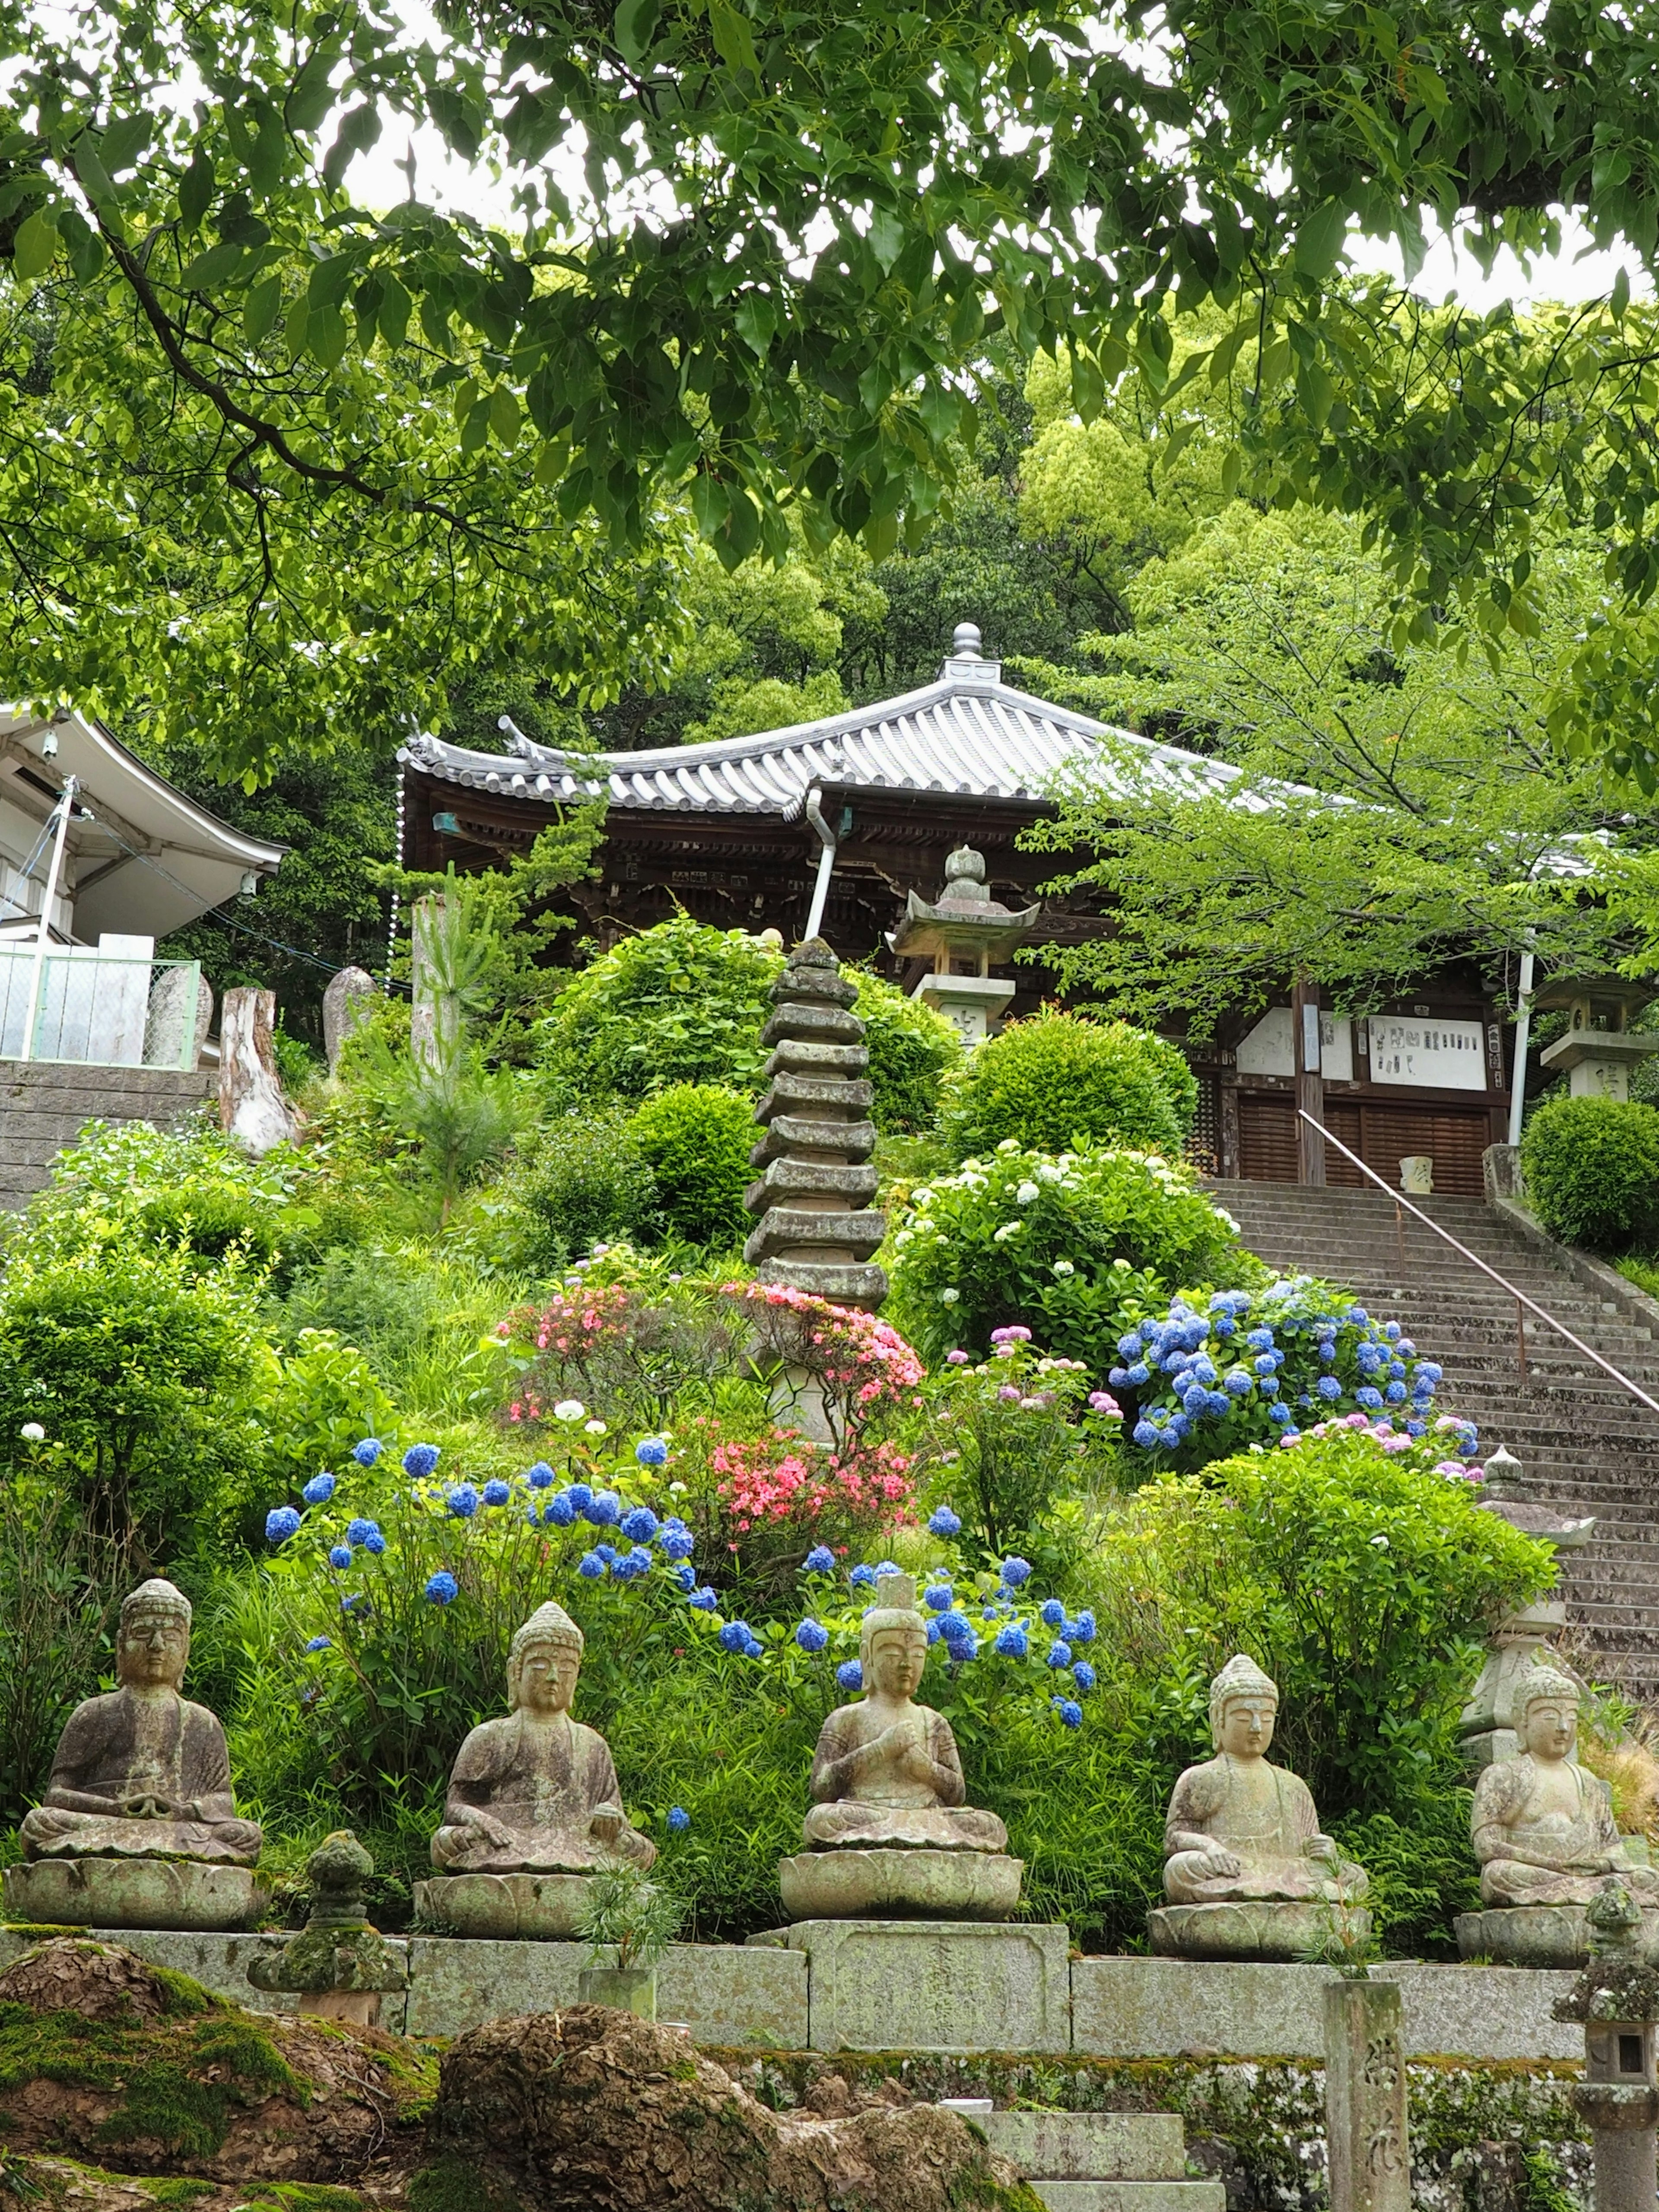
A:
<point x="893" y="1639"/>
<point x="1548" y="1700"/>
<point x="543" y="1663"/>
<point x="154" y="1645"/>
<point x="1243" y="1706"/>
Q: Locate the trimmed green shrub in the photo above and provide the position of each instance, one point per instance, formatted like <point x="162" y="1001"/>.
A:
<point x="913" y="1051"/>
<point x="586" y="1181"/>
<point x="695" y="1140"/>
<point x="1072" y="1246"/>
<point x="1059" y="1081"/>
<point x="681" y="1003"/>
<point x="1591" y="1168"/>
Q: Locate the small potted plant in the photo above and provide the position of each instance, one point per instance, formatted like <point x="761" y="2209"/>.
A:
<point x="627" y="1915"/>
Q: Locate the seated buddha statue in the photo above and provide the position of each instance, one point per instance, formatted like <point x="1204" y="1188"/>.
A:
<point x="1240" y="1828"/>
<point x="886" y="1774"/>
<point x="1543" y="1828"/>
<point x="143" y="1773"/>
<point x="536" y="1792"/>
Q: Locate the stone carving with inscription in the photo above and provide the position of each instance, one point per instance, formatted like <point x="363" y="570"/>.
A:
<point x="138" y="1816"/>
<point x="1543" y="1830"/>
<point x="534" y="1803"/>
<point x="890" y="1826"/>
<point x="1246" y="1872"/>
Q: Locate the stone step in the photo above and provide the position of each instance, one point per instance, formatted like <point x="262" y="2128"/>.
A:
<point x="1132" y="2196"/>
<point x="1091" y="2146"/>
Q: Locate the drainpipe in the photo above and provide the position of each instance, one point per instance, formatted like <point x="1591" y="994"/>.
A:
<point x="54" y="871"/>
<point x="1522" y="1029"/>
<point x="814" y="812"/>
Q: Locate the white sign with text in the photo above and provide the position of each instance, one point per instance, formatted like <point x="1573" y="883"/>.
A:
<point x="1428" y="1049"/>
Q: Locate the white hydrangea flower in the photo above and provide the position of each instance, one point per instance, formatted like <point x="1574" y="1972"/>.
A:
<point x="1025" y="1194"/>
<point x="1048" y="1172"/>
<point x="1064" y="1267"/>
<point x="33" y="1433"/>
<point x="568" y="1409"/>
<point x="1009" y="1144"/>
<point x="593" y="1428"/>
<point x="1008" y="1229"/>
<point x="949" y="1297"/>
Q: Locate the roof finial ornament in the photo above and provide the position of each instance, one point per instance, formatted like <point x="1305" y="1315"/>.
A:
<point x="965" y="642"/>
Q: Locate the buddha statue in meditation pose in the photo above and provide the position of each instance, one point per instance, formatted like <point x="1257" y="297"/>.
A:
<point x="1239" y="1828"/>
<point x="142" y="1773"/>
<point x="1543" y="1828"/>
<point x="537" y="1792"/>
<point x="886" y="1775"/>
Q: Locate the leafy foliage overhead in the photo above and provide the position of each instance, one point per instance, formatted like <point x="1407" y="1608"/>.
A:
<point x="759" y="252"/>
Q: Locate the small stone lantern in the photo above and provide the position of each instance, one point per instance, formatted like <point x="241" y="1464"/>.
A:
<point x="1617" y="1999"/>
<point x="963" y="933"/>
<point x="1600" y="1047"/>
<point x="338" y="1967"/>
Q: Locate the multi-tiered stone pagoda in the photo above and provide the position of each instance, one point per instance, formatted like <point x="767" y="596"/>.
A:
<point x="816" y="1230"/>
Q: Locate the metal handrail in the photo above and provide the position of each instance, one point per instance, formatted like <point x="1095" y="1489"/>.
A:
<point x="1520" y="1297"/>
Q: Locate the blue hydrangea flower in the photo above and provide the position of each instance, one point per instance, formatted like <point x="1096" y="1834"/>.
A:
<point x="420" y="1460"/>
<point x="591" y="1567"/>
<point x="703" y="1600"/>
<point x="863" y="1578"/>
<point x="1118" y="1378"/>
<point x="1146" y="1435"/>
<point x="1395" y="1394"/>
<point x="375" y="1542"/>
<point x="358" y="1530"/>
<point x="1084" y="1674"/>
<point x="281" y="1522"/>
<point x="937" y="1597"/>
<point x="1237" y="1382"/>
<point x="496" y="1492"/>
<point x="540" y="1476"/>
<point x="812" y="1636"/>
<point x="1328" y="1388"/>
<point x="640" y="1561"/>
<point x="820" y="1560"/>
<point x="1269" y="1389"/>
<point x="442" y="1588"/>
<point x="736" y="1636"/>
<point x="1082" y="1630"/>
<point x="462" y="1501"/>
<point x="1281" y="1414"/>
<point x="1016" y="1571"/>
<point x="319" y="1490"/>
<point x="640" y="1525"/>
<point x="339" y="1557"/>
<point x="1369" y="1396"/>
<point x="606" y="1552"/>
<point x="559" y="1510"/>
<point x="1053" y="1614"/>
<point x="1059" y="1653"/>
<point x="320" y="1644"/>
<point x="754" y="1649"/>
<point x="580" y="1495"/>
<point x="1261" y="1340"/>
<point x="604" y="1510"/>
<point x="679" y="1819"/>
<point x="369" y="1451"/>
<point x="685" y="1578"/>
<point x="1010" y="1641"/>
<point x="1391" y="1330"/>
<point x="1069" y="1710"/>
<point x="964" y="1644"/>
<point x="1417" y="1428"/>
<point x="651" y="1451"/>
<point x="942" y="1521"/>
<point x="678" y="1544"/>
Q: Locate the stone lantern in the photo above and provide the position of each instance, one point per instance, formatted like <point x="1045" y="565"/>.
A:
<point x="964" y="932"/>
<point x="1600" y="1047"/>
<point x="1617" y="1999"/>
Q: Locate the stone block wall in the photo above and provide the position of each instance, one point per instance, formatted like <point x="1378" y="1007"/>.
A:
<point x="45" y="1105"/>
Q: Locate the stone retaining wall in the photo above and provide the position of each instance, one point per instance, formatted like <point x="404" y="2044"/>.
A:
<point x="45" y="1104"/>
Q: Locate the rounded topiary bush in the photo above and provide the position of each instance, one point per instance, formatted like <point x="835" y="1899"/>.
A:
<point x="586" y="1181"/>
<point x="913" y="1050"/>
<point x="695" y="1139"/>
<point x="680" y="1003"/>
<point x="1591" y="1168"/>
<point x="1058" y="1080"/>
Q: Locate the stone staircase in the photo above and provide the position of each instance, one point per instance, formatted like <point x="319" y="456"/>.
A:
<point x="1101" y="2162"/>
<point x="1584" y="1444"/>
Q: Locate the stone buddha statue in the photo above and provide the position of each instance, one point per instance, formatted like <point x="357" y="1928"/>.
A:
<point x="537" y="1792"/>
<point x="1242" y="1833"/>
<point x="138" y="1828"/>
<point x="886" y="1777"/>
<point x="1543" y="1827"/>
<point x="143" y="1773"/>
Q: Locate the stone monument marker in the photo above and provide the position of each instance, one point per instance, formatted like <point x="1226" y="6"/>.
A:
<point x="533" y="1805"/>
<point x="1247" y="1872"/>
<point x="347" y="1004"/>
<point x="139" y="1827"/>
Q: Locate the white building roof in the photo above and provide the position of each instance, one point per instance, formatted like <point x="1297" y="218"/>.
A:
<point x="969" y="733"/>
<point x="141" y="859"/>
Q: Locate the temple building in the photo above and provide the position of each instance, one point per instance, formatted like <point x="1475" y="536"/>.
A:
<point x="834" y="827"/>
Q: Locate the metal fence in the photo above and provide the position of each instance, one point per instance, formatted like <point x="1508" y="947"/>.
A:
<point x="94" y="1009"/>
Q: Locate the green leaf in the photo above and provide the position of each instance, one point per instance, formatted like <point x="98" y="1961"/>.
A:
<point x="635" y="26"/>
<point x="395" y="307"/>
<point x="1620" y="299"/>
<point x="210" y="268"/>
<point x="710" y="502"/>
<point x="732" y="39"/>
<point x="1088" y="386"/>
<point x="358" y="131"/>
<point x="260" y="310"/>
<point x="736" y="539"/>
<point x="124" y="141"/>
<point x="887" y="237"/>
<point x="35" y="247"/>
<point x="95" y="179"/>
<point x="1320" y="240"/>
<point x="310" y="95"/>
<point x="505" y="420"/>
<point x="195" y="189"/>
<point x="756" y="319"/>
<point x="326" y="335"/>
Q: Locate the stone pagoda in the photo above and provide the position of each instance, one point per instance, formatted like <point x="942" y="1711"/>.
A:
<point x="814" y="1229"/>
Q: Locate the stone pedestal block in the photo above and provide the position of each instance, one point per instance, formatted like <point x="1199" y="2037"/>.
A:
<point x="506" y="1907"/>
<point x="1257" y="1928"/>
<point x="850" y="1885"/>
<point x="728" y="1995"/>
<point x="86" y="1892"/>
<point x="1091" y="2146"/>
<point x="933" y="1985"/>
<point x="347" y="1004"/>
<point x="1542" y="1936"/>
<point x="1366" y="2121"/>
